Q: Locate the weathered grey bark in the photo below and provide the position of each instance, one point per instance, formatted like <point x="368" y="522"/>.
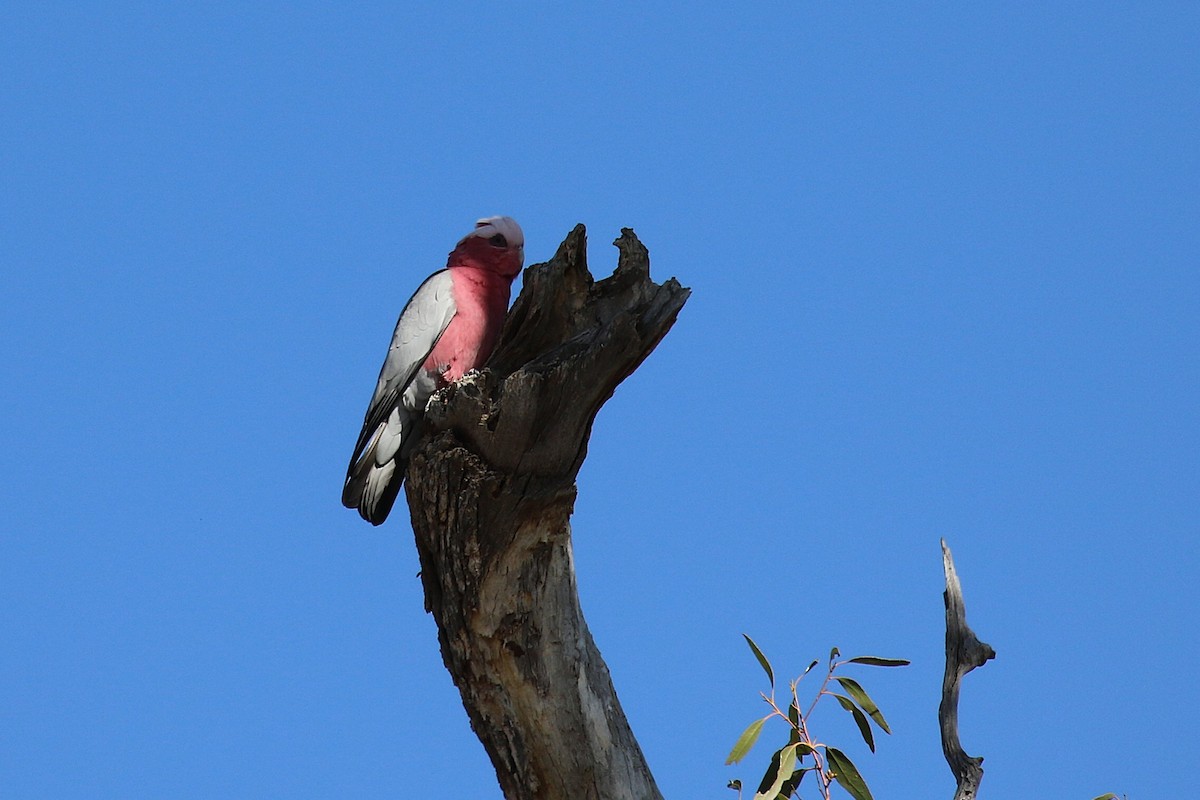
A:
<point x="964" y="652"/>
<point x="490" y="490"/>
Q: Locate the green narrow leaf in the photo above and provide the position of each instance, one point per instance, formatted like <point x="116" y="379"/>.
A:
<point x="766" y="665"/>
<point x="847" y="775"/>
<point x="785" y="763"/>
<point x="746" y="741"/>
<point x="772" y="772"/>
<point x="876" y="661"/>
<point x="860" y="719"/>
<point x="793" y="716"/>
<point x="864" y="700"/>
<point x="834" y="653"/>
<point x="735" y="784"/>
<point x="1109" y="796"/>
<point x="810" y="666"/>
<point x="793" y="783"/>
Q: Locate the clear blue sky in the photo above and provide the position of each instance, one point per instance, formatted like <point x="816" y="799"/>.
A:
<point x="946" y="276"/>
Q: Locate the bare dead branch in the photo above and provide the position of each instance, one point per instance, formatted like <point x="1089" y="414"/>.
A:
<point x="964" y="652"/>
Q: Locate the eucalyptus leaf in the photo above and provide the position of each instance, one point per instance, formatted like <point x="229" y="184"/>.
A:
<point x="772" y="772"/>
<point x="846" y="774"/>
<point x="746" y="741"/>
<point x="810" y="666"/>
<point x="793" y="783"/>
<point x="860" y="719"/>
<point x="876" y="661"/>
<point x="766" y="665"/>
<point x="786" y="765"/>
<point x="864" y="701"/>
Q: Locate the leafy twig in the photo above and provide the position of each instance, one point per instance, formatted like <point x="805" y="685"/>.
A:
<point x="788" y="768"/>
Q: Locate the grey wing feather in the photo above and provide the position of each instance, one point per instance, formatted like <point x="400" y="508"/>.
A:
<point x="421" y="324"/>
<point x="376" y="468"/>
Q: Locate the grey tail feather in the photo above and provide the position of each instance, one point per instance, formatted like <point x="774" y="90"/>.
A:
<point x="356" y="484"/>
<point x="383" y="506"/>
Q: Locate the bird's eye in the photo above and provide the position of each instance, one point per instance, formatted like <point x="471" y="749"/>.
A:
<point x="498" y="240"/>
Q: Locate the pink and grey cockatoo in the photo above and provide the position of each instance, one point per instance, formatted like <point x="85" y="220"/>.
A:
<point x="448" y="328"/>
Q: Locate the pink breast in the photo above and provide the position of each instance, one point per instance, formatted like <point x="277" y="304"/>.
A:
<point x="466" y="344"/>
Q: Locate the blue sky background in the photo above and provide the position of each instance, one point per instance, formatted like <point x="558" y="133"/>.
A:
<point x="946" y="275"/>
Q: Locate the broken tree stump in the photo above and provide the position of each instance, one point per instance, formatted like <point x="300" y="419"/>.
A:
<point x="490" y="489"/>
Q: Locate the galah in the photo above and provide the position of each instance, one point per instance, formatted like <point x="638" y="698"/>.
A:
<point x="448" y="328"/>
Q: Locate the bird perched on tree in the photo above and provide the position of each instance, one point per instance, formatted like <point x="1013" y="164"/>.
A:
<point x="448" y="328"/>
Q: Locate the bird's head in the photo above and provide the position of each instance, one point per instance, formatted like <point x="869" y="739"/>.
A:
<point x="496" y="245"/>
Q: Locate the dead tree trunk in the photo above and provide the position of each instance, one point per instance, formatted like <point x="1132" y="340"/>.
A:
<point x="491" y="488"/>
<point x="964" y="652"/>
